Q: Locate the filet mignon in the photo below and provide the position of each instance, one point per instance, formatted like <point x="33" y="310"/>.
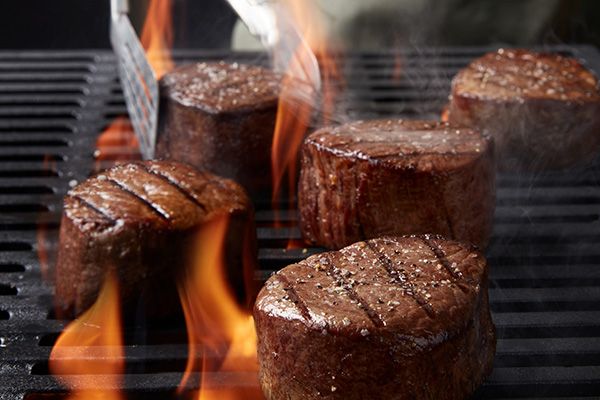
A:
<point x="390" y="318"/>
<point x="140" y="220"/>
<point x="542" y="109"/>
<point x="371" y="178"/>
<point x="220" y="117"/>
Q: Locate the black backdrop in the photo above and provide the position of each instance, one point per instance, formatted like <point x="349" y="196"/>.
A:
<point x="58" y="24"/>
<point x="64" y="24"/>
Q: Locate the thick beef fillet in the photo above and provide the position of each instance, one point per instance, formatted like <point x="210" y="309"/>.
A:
<point x="389" y="318"/>
<point x="221" y="117"/>
<point x="542" y="109"/>
<point x="369" y="178"/>
<point x="140" y="220"/>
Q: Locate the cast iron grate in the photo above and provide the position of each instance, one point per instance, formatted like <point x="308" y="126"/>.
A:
<point x="545" y="255"/>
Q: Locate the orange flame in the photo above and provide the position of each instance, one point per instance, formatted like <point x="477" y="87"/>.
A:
<point x="445" y="114"/>
<point x="88" y="356"/>
<point x="294" y="115"/>
<point x="117" y="143"/>
<point x="157" y="36"/>
<point x="218" y="328"/>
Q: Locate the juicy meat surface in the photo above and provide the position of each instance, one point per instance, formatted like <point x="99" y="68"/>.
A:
<point x="516" y="73"/>
<point x="389" y="318"/>
<point x="369" y="178"/>
<point x="140" y="220"/>
<point x="542" y="108"/>
<point x="223" y="87"/>
<point x="221" y="117"/>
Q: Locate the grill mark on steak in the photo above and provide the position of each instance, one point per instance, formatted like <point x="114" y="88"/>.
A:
<point x="160" y="213"/>
<point x="173" y="183"/>
<point x="295" y="298"/>
<point x="90" y="206"/>
<point x="335" y="273"/>
<point x="400" y="278"/>
<point x="441" y="257"/>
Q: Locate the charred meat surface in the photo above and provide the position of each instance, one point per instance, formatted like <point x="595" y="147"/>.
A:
<point x="392" y="177"/>
<point x="140" y="220"/>
<point x="221" y="117"/>
<point x="389" y="318"/>
<point x="543" y="109"/>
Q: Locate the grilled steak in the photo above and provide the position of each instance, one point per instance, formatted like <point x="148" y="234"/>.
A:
<point x="370" y="178"/>
<point x="220" y="117"/>
<point x="542" y="109"/>
<point x="390" y="318"/>
<point x="140" y="219"/>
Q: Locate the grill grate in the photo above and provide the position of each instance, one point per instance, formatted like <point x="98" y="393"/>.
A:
<point x="545" y="258"/>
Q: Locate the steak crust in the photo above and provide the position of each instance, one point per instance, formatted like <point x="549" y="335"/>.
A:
<point x="543" y="109"/>
<point x="389" y="318"/>
<point x="141" y="220"/>
<point x="220" y="117"/>
<point x="388" y="177"/>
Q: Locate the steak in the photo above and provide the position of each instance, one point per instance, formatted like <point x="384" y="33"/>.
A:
<point x="389" y="318"/>
<point x="542" y="109"/>
<point x="141" y="220"/>
<point x="220" y="117"/>
<point x="392" y="177"/>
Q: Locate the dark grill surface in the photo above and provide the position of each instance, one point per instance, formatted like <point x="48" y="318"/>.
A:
<point x="545" y="255"/>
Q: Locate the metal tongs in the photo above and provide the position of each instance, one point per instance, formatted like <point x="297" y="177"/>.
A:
<point x="269" y="20"/>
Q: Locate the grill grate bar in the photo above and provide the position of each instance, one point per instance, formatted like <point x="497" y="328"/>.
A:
<point x="545" y="276"/>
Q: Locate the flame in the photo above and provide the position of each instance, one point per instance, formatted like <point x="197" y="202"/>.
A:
<point x="157" y="36"/>
<point x="218" y="328"/>
<point x="88" y="356"/>
<point x="445" y="114"/>
<point x="293" y="114"/>
<point x="117" y="143"/>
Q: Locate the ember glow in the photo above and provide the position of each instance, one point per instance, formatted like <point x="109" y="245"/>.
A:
<point x="157" y="36"/>
<point x="88" y="356"/>
<point x="221" y="333"/>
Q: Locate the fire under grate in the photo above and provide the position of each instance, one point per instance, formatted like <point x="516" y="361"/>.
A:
<point x="545" y="254"/>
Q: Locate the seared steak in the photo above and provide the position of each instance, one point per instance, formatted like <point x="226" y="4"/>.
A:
<point x="140" y="220"/>
<point x="390" y="318"/>
<point x="371" y="178"/>
<point x="542" y="109"/>
<point x="220" y="117"/>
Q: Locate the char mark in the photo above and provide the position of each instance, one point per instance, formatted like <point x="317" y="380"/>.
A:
<point x="441" y="257"/>
<point x="401" y="279"/>
<point x="92" y="207"/>
<point x="353" y="295"/>
<point x="294" y="297"/>
<point x="160" y="213"/>
<point x="174" y="184"/>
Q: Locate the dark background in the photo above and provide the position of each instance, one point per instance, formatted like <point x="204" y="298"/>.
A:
<point x="70" y="24"/>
